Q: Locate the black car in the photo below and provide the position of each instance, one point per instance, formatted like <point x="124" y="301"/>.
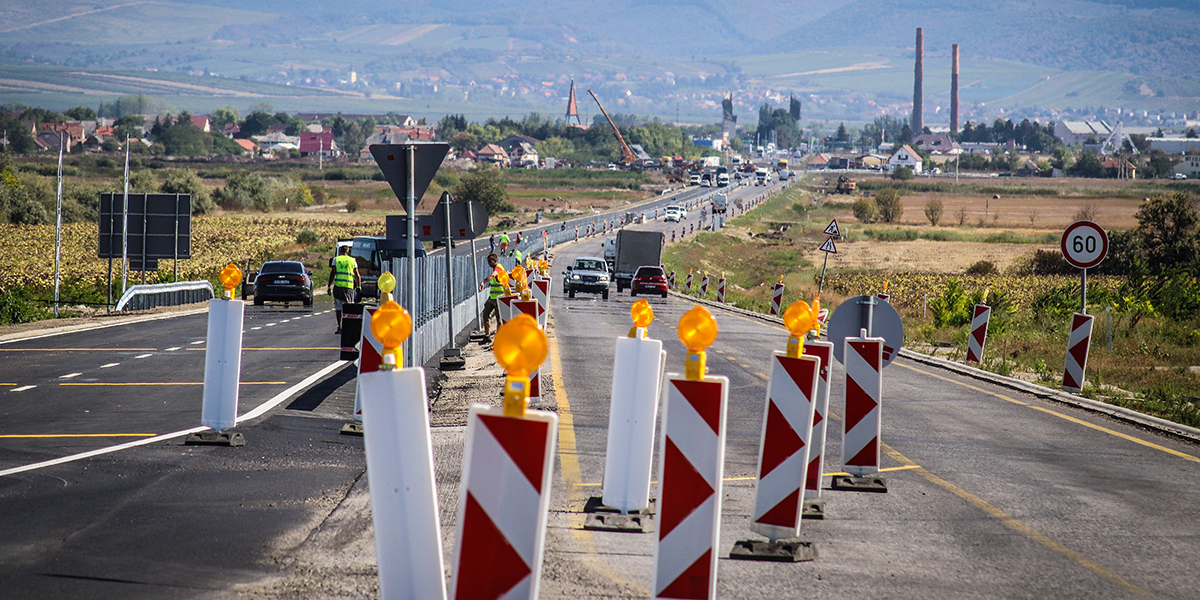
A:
<point x="283" y="280"/>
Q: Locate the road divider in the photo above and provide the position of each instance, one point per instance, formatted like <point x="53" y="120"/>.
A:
<point x="222" y="365"/>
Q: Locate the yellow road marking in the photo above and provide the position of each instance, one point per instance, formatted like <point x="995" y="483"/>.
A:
<point x="904" y="468"/>
<point x="175" y="383"/>
<point x="568" y="454"/>
<point x="78" y="349"/>
<point x="8" y="384"/>
<point x="79" y="435"/>
<point x="1019" y="526"/>
<point x="1123" y="436"/>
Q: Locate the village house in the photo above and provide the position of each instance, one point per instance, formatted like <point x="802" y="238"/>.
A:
<point x="905" y="157"/>
<point x="1190" y="167"/>
<point x="494" y="154"/>
<point x="936" y="143"/>
<point x="322" y="143"/>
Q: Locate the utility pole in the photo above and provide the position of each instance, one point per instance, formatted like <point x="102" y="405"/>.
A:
<point x="125" y="225"/>
<point x="58" y="223"/>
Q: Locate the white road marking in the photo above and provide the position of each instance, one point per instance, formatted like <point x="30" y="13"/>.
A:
<point x="143" y="355"/>
<point x="109" y="365"/>
<point x="70" y="375"/>
<point x="198" y="342"/>
<point x="257" y="412"/>
<point x="270" y="324"/>
<point x="254" y="329"/>
<point x="23" y="388"/>
<point x="171" y="349"/>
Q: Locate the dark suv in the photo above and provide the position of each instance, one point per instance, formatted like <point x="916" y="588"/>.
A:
<point x="283" y="280"/>
<point x="649" y="280"/>
<point x="587" y="274"/>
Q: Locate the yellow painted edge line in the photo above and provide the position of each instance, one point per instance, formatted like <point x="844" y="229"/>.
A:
<point x="903" y="468"/>
<point x="78" y="349"/>
<point x="1065" y="417"/>
<point x="175" y="383"/>
<point x="8" y="384"/>
<point x="79" y="435"/>
<point x="314" y="348"/>
<point x="1019" y="526"/>
<point x="568" y="459"/>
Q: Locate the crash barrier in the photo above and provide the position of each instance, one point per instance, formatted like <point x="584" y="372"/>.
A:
<point x="144" y="297"/>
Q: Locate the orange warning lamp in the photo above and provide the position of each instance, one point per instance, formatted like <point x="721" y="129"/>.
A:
<point x="697" y="330"/>
<point x="520" y="347"/>
<point x="391" y="325"/>
<point x="544" y="266"/>
<point x="386" y="283"/>
<point x="800" y="319"/>
<point x="230" y="277"/>
<point x="642" y="316"/>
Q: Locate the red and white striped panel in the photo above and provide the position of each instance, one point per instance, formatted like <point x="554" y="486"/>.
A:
<point x="776" y="299"/>
<point x="532" y="308"/>
<point x="822" y="316"/>
<point x="687" y="283"/>
<point x="671" y="280"/>
<point x="816" y="444"/>
<point x="691" y="467"/>
<point x="1078" y="344"/>
<point x="864" y="385"/>
<point x="370" y="357"/>
<point x="704" y="285"/>
<point x="505" y="308"/>
<point x="979" y="326"/>
<point x="502" y="504"/>
<point x="783" y="447"/>
<point x="886" y="297"/>
<point x="721" y="290"/>
<point x="541" y="292"/>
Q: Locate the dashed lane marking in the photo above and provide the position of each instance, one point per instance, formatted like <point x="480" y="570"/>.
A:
<point x="76" y="435"/>
<point x="171" y="349"/>
<point x="77" y="349"/>
<point x="198" y="342"/>
<point x="143" y="355"/>
<point x="109" y="365"/>
<point x="70" y="375"/>
<point x="101" y="383"/>
<point x="253" y="329"/>
<point x="22" y="388"/>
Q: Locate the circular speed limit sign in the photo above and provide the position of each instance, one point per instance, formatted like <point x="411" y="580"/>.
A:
<point x="1084" y="244"/>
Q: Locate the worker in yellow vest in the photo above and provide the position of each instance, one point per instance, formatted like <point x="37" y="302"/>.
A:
<point x="344" y="280"/>
<point x="495" y="282"/>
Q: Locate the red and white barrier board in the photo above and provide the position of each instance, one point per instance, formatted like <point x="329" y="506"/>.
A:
<point x="370" y="357"/>
<point x="540" y="288"/>
<point x="721" y="290"/>
<point x="864" y="386"/>
<point x="704" y="285"/>
<point x="691" y="467"/>
<point x="776" y="299"/>
<point x="1078" y="344"/>
<point x="671" y="280"/>
<point x="783" y="447"/>
<point x="816" y="444"/>
<point x="505" y="308"/>
<point x="502" y="504"/>
<point x="687" y="283"/>
<point x="533" y="309"/>
<point x="629" y="457"/>
<point x="404" y="505"/>
<point x="980" y="317"/>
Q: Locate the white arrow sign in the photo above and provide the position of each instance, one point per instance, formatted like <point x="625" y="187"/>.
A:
<point x="828" y="246"/>
<point x="833" y="229"/>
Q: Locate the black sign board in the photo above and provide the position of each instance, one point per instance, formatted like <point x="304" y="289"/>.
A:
<point x="136" y="264"/>
<point x="467" y="221"/>
<point x="427" y="157"/>
<point x="160" y="225"/>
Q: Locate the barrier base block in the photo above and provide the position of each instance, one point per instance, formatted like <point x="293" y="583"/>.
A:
<point x="355" y="428"/>
<point x="780" y="551"/>
<point x="850" y="483"/>
<point x="612" y="521"/>
<point x="813" y="509"/>
<point x="213" y="438"/>
<point x="452" y="363"/>
<point x="595" y="504"/>
<point x="479" y="336"/>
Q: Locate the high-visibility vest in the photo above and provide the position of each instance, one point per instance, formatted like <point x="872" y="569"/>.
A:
<point x="517" y="255"/>
<point x="495" y="288"/>
<point x="343" y="271"/>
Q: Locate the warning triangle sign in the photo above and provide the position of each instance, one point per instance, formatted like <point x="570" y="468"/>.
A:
<point x="833" y="229"/>
<point x="828" y="246"/>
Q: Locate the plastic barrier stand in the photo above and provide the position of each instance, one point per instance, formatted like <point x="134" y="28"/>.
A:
<point x="222" y="363"/>
<point x="816" y="445"/>
<point x="783" y="449"/>
<point x="628" y="459"/>
<point x="864" y="386"/>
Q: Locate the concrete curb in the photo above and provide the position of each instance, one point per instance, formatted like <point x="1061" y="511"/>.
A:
<point x="1133" y="417"/>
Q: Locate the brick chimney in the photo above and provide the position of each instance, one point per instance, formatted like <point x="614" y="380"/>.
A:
<point x="954" y="89"/>
<point x="918" y="114"/>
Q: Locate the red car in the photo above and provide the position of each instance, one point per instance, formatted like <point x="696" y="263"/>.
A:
<point x="649" y="280"/>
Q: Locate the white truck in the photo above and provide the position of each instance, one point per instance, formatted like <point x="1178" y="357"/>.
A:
<point x="760" y="176"/>
<point x="720" y="203"/>
<point x="636" y="249"/>
<point x="723" y="180"/>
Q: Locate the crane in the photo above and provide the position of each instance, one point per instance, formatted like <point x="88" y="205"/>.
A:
<point x="628" y="158"/>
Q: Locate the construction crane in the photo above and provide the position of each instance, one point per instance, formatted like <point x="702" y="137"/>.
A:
<point x="628" y="158"/>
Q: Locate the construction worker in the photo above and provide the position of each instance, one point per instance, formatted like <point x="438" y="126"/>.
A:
<point x="495" y="290"/>
<point x="344" y="279"/>
<point x="517" y="255"/>
<point x="503" y="243"/>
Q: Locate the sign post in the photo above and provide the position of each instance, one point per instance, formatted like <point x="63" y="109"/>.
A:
<point x="1084" y="245"/>
<point x="828" y="248"/>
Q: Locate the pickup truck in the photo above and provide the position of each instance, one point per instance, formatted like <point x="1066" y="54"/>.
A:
<point x="635" y="249"/>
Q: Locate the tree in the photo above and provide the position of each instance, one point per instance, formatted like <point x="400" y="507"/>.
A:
<point x="933" y="211"/>
<point x="865" y="210"/>
<point x="187" y="182"/>
<point x="1169" y="228"/>
<point x="842" y="134"/>
<point x="1087" y="165"/>
<point x="143" y="181"/>
<point x="483" y="185"/>
<point x="128" y="125"/>
<point x="256" y="123"/>
<point x="81" y="113"/>
<point x="777" y="125"/>
<point x="450" y="125"/>
<point x="222" y="117"/>
<point x="20" y="139"/>
<point x="555" y="147"/>
<point x="903" y="174"/>
<point x="245" y="189"/>
<point x="887" y="200"/>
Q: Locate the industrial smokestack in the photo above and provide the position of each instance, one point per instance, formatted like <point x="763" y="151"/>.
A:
<point x="954" y="90"/>
<point x="918" y="120"/>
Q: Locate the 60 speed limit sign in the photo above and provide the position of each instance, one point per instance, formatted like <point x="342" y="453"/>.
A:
<point x="1084" y="244"/>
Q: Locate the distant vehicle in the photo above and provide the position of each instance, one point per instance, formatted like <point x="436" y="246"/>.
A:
<point x="635" y="249"/>
<point x="845" y="185"/>
<point x="784" y="174"/>
<point x="736" y="160"/>
<point x="610" y="251"/>
<point x="649" y="279"/>
<point x="694" y="180"/>
<point x="1179" y="176"/>
<point x="376" y="254"/>
<point x="720" y="203"/>
<point x="666" y="191"/>
<point x="760" y="176"/>
<point x="672" y="215"/>
<point x="723" y="180"/>
<point x="586" y="274"/>
<point x="283" y="280"/>
<point x="612" y="167"/>
<point x="781" y="165"/>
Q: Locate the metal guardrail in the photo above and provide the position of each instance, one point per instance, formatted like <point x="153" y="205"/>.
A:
<point x="142" y="297"/>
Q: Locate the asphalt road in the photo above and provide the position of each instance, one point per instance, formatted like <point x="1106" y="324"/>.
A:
<point x="992" y="494"/>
